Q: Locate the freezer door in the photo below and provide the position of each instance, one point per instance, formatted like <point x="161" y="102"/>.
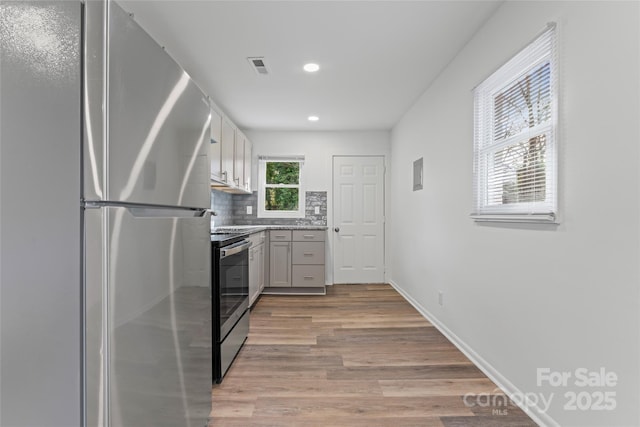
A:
<point x="93" y="99"/>
<point x="154" y="363"/>
<point x="158" y="132"/>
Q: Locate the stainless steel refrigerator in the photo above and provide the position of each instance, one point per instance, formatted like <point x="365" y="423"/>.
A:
<point x="105" y="299"/>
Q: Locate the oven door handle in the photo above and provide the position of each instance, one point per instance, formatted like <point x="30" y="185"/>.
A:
<point x="234" y="249"/>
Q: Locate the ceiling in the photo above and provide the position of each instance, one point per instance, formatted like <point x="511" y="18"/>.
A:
<point x="376" y="57"/>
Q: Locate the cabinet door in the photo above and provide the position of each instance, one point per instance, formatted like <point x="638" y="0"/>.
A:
<point x="238" y="165"/>
<point x="215" y="149"/>
<point x="260" y="271"/>
<point x="254" y="274"/>
<point x="228" y="142"/>
<point x="267" y="257"/>
<point x="280" y="264"/>
<point x="248" y="150"/>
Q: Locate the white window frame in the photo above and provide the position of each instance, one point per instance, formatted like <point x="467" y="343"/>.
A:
<point x="541" y="50"/>
<point x="262" y="185"/>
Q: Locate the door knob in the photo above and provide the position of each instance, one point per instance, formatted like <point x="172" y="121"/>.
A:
<point x="337" y="229"/>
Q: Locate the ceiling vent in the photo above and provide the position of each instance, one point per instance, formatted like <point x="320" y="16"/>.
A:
<point x="258" y="64"/>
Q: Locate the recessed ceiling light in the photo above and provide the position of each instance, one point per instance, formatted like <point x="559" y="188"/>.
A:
<point x="313" y="118"/>
<point x="311" y="67"/>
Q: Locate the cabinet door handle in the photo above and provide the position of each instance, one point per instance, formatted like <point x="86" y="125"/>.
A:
<point x="308" y="236"/>
<point x="308" y="277"/>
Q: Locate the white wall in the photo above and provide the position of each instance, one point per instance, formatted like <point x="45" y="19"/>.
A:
<point x="522" y="297"/>
<point x="319" y="149"/>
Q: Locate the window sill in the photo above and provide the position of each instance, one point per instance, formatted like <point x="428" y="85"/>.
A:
<point x="536" y="218"/>
<point x="281" y="214"/>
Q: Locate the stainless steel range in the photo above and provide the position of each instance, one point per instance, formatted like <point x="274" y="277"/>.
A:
<point x="230" y="288"/>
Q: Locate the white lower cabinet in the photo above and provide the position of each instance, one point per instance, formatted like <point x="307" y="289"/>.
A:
<point x="296" y="259"/>
<point x="307" y="261"/>
<point x="256" y="266"/>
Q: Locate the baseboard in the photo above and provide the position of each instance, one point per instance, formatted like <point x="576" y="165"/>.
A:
<point x="315" y="290"/>
<point x="540" y="417"/>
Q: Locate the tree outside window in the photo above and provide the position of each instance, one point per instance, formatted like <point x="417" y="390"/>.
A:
<point x="521" y="166"/>
<point x="280" y="190"/>
<point x="282" y="186"/>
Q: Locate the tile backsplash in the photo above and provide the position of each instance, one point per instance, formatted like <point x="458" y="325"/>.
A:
<point x="232" y="210"/>
<point x="222" y="205"/>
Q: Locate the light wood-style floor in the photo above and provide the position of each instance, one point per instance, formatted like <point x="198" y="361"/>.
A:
<point x="359" y="356"/>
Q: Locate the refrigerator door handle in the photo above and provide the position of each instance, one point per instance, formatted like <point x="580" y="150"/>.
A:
<point x="152" y="212"/>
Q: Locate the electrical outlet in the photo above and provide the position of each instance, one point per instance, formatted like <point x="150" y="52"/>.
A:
<point x="316" y="210"/>
<point x="440" y="298"/>
<point x="249" y="210"/>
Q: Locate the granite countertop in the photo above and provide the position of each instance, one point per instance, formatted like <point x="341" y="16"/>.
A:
<point x="250" y="229"/>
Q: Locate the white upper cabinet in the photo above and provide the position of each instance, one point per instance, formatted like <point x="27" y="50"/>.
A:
<point x="230" y="155"/>
<point x="215" y="149"/>
<point x="227" y="151"/>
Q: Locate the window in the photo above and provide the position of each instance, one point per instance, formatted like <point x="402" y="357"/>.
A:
<point x="514" y="137"/>
<point x="280" y="192"/>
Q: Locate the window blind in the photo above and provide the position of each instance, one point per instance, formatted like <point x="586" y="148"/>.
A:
<point x="515" y="117"/>
<point x="281" y="158"/>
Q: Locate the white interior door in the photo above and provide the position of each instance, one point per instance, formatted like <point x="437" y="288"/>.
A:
<point x="358" y="218"/>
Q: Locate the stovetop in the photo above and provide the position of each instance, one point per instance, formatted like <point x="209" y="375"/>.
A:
<point x="224" y="238"/>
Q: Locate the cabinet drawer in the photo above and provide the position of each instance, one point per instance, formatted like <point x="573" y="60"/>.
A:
<point x="307" y="275"/>
<point x="308" y="235"/>
<point x="308" y="253"/>
<point x="280" y="235"/>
